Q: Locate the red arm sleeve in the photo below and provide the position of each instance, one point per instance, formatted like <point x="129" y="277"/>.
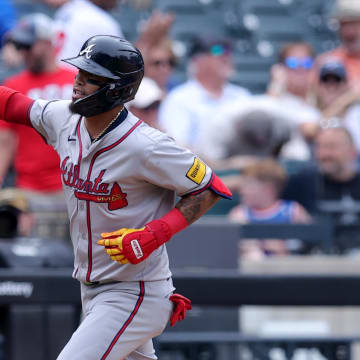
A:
<point x="15" y="107"/>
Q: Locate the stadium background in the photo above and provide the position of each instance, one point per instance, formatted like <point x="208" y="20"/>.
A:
<point x="259" y="28"/>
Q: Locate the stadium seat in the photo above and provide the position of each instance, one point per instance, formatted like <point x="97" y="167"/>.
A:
<point x="205" y="23"/>
<point x="130" y="20"/>
<point x="283" y="28"/>
<point x="274" y="7"/>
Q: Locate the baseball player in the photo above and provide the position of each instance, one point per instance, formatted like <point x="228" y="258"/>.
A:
<point x="120" y="176"/>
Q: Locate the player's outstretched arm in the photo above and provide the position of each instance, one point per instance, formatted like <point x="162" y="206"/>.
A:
<point x="135" y="245"/>
<point x="14" y="107"/>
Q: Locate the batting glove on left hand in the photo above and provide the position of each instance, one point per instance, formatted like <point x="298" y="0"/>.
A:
<point x="181" y="305"/>
<point x="135" y="245"/>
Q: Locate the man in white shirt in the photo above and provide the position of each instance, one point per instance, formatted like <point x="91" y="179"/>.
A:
<point x="187" y="110"/>
<point x="78" y="20"/>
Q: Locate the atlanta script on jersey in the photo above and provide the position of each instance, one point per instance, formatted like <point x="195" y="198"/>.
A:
<point x="126" y="179"/>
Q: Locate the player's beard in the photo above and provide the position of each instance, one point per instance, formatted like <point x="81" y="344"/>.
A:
<point x="72" y="106"/>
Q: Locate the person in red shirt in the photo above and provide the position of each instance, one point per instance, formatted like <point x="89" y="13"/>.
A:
<point x="21" y="146"/>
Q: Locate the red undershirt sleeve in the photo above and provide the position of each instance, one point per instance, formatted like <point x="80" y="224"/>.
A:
<point x="14" y="106"/>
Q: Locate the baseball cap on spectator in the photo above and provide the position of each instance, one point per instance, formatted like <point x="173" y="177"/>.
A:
<point x="148" y="94"/>
<point x="346" y="10"/>
<point x="210" y="45"/>
<point x="31" y="28"/>
<point x="333" y="69"/>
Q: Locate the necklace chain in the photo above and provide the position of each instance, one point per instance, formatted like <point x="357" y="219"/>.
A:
<point x="106" y="127"/>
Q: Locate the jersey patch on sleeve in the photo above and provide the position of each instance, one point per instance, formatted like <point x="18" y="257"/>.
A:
<point x="197" y="171"/>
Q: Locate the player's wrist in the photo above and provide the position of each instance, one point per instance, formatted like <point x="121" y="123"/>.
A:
<point x="175" y="220"/>
<point x="160" y="230"/>
<point x="167" y="226"/>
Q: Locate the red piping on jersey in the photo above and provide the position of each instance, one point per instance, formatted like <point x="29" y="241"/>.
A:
<point x="80" y="142"/>
<point x="88" y="223"/>
<point x="127" y="322"/>
<point x="88" y="178"/>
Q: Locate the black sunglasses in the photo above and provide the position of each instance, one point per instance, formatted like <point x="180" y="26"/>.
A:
<point x="327" y="79"/>
<point x="169" y="62"/>
<point x="21" y="46"/>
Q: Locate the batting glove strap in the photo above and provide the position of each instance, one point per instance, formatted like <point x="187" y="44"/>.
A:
<point x="137" y="246"/>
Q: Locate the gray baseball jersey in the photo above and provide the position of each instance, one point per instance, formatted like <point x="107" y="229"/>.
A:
<point x="126" y="179"/>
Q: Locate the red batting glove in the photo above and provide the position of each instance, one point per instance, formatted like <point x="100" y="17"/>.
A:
<point x="135" y="245"/>
<point x="181" y="305"/>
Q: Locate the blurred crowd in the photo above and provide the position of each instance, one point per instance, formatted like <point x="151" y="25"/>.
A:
<point x="290" y="155"/>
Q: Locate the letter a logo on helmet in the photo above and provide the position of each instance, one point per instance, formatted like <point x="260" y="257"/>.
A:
<point x="87" y="51"/>
<point x="119" y="62"/>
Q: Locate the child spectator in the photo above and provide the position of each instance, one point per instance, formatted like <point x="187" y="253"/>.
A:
<point x="262" y="183"/>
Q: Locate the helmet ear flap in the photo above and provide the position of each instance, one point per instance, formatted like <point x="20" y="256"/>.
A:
<point x="118" y="91"/>
<point x="114" y="92"/>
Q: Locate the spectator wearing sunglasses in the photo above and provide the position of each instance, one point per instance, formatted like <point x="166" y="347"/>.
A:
<point x="347" y="13"/>
<point x="189" y="110"/>
<point x="291" y="86"/>
<point x="157" y="49"/>
<point x="147" y="101"/>
<point x="160" y="63"/>
<point x="292" y="75"/>
<point x="331" y="92"/>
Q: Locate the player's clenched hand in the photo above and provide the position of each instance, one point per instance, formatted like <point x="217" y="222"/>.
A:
<point x="113" y="244"/>
<point x="181" y="305"/>
<point x="135" y="245"/>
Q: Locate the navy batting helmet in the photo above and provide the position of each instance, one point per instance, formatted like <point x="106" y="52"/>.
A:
<point x="115" y="59"/>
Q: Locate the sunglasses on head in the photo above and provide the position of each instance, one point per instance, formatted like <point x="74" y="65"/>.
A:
<point x="219" y="49"/>
<point x="294" y="63"/>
